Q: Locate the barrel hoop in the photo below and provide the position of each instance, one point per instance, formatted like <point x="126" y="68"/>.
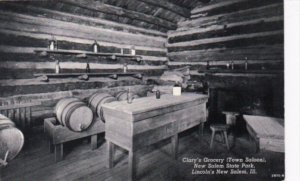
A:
<point x="70" y="111"/>
<point x="100" y="113"/>
<point x="92" y="98"/>
<point x="96" y="107"/>
<point x="62" y="112"/>
<point x="119" y="94"/>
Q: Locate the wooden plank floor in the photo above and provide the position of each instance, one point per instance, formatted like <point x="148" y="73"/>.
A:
<point x="35" y="163"/>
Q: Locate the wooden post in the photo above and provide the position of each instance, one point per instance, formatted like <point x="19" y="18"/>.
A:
<point x="94" y="139"/>
<point x="174" y="143"/>
<point x="132" y="165"/>
<point x="213" y="104"/>
<point x="111" y="152"/>
<point x="59" y="152"/>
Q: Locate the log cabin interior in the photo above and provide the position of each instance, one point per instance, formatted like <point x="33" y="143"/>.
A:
<point x="86" y="89"/>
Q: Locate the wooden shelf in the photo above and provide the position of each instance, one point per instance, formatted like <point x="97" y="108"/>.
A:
<point x="86" y="53"/>
<point x="85" y="76"/>
<point x="239" y="71"/>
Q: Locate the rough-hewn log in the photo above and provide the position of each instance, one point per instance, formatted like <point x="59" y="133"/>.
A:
<point x="169" y="6"/>
<point x="272" y="52"/>
<point x="251" y="26"/>
<point x="85" y="20"/>
<point x="228" y="6"/>
<point x="26" y="23"/>
<point x="270" y="38"/>
<point x="30" y="86"/>
<point x="19" y="70"/>
<point x="220" y="66"/>
<point x="94" y="5"/>
<point x="238" y="16"/>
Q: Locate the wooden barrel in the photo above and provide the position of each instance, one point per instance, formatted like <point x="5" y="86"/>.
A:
<point x="122" y="95"/>
<point x="74" y="114"/>
<point x="11" y="139"/>
<point x="97" y="100"/>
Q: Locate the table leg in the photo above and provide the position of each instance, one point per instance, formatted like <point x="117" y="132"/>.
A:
<point x="111" y="153"/>
<point x="174" y="143"/>
<point x="132" y="165"/>
<point x="59" y="152"/>
<point x="94" y="142"/>
<point x="226" y="140"/>
<point x="51" y="147"/>
<point x="201" y="129"/>
<point x="212" y="139"/>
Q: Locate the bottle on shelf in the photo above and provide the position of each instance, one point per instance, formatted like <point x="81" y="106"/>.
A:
<point x="87" y="69"/>
<point x="232" y="65"/>
<point x="125" y="68"/>
<point x="95" y="47"/>
<point x="57" y="67"/>
<point x="52" y="44"/>
<point x="246" y="63"/>
<point x="207" y="65"/>
<point x="132" y="50"/>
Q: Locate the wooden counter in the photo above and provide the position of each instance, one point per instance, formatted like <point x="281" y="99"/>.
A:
<point x="149" y="120"/>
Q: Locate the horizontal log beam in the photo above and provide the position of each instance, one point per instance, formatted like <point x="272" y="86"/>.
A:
<point x="272" y="52"/>
<point x="31" y="86"/>
<point x="182" y="11"/>
<point x="19" y="70"/>
<point x="17" y="22"/>
<point x="229" y="6"/>
<point x="74" y="65"/>
<point x="221" y="65"/>
<point x="271" y="10"/>
<point x="94" y="5"/>
<point x="251" y="26"/>
<point x="218" y="4"/>
<point x="79" y="19"/>
<point x="272" y="37"/>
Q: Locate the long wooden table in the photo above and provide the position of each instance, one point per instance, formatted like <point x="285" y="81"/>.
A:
<point x="149" y="120"/>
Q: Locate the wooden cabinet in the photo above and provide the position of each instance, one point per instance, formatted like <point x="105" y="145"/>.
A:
<point x="149" y="120"/>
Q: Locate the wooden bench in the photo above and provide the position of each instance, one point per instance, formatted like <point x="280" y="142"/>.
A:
<point x="58" y="135"/>
<point x="267" y="132"/>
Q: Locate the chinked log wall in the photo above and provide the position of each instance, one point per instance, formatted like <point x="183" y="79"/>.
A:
<point x="28" y="27"/>
<point x="231" y="30"/>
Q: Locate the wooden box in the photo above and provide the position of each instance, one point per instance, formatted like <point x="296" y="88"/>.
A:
<point x="149" y="120"/>
<point x="58" y="135"/>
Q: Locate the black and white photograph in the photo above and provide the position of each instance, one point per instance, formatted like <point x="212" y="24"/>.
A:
<point x="144" y="90"/>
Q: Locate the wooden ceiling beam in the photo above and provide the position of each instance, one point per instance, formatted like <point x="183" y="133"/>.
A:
<point x="108" y="9"/>
<point x="182" y="11"/>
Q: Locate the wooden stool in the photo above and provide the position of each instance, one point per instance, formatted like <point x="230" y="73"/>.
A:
<point x="219" y="128"/>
